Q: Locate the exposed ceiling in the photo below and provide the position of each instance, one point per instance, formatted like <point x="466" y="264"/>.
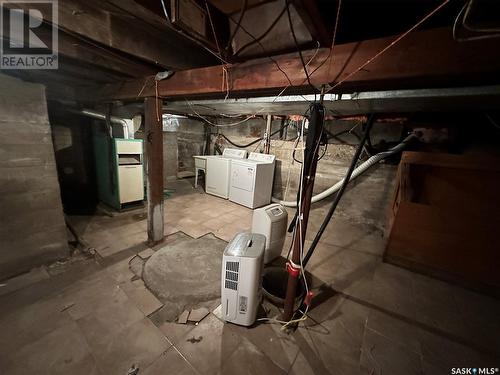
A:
<point x="102" y="41"/>
<point x="461" y="99"/>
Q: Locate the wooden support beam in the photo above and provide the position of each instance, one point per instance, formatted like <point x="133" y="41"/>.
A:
<point x="154" y="164"/>
<point x="123" y="32"/>
<point x="429" y="58"/>
<point x="83" y="50"/>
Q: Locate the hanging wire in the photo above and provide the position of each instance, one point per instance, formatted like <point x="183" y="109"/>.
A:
<point x="385" y="49"/>
<point x="289" y="15"/>
<point x="238" y="24"/>
<point x="330" y="55"/>
<point x="263" y="35"/>
<point x="463" y="24"/>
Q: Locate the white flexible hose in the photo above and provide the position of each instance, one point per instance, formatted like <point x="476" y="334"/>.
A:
<point x="357" y="172"/>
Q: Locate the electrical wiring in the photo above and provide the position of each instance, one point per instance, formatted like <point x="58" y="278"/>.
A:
<point x="213" y="28"/>
<point x="390" y="45"/>
<point x="298" y="225"/>
<point x="493" y="122"/>
<point x="253" y="142"/>
<point x="324" y="152"/>
<point x="330" y="53"/>
<point x="268" y="56"/>
<point x="165" y="10"/>
<point x="238" y="145"/>
<point x="476" y="29"/>
<point x="339" y="194"/>
<point x="191" y="38"/>
<point x="463" y="24"/>
<point x="318" y="46"/>
<point x="236" y="123"/>
<point x="218" y="125"/>
<point x="238" y="24"/>
<point x="225" y="71"/>
<point x="292" y="30"/>
<point x="288" y="174"/>
<point x="263" y="35"/>
<point x="301" y="235"/>
<point x="257" y="147"/>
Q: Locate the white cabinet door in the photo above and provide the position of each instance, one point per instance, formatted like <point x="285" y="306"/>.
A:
<point x="130" y="179"/>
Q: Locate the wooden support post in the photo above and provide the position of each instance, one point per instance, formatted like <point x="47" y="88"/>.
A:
<point x="154" y="163"/>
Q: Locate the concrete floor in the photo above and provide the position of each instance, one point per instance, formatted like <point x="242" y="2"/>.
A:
<point x="88" y="317"/>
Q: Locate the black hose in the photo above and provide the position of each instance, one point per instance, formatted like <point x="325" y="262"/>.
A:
<point x="255" y="141"/>
<point x="238" y="24"/>
<point x="341" y="191"/>
<point x="241" y="146"/>
<point x="304" y="66"/>
<point x="264" y="34"/>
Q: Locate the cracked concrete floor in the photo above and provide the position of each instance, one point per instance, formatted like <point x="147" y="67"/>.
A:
<point x="370" y="317"/>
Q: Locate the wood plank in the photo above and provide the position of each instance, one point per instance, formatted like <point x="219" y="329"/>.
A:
<point x="85" y="51"/>
<point x="124" y="33"/>
<point x="412" y="63"/>
<point x="101" y="57"/>
<point x="154" y="166"/>
<point x="473" y="161"/>
<point x="314" y="21"/>
<point x="447" y="218"/>
<point x="446" y="242"/>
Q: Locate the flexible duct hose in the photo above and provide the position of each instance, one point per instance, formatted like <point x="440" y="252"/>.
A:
<point x="357" y="172"/>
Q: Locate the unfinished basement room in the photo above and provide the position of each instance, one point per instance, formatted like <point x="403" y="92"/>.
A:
<point x="217" y="187"/>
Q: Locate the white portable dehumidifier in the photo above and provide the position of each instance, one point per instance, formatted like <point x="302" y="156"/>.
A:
<point x="241" y="281"/>
<point x="271" y="221"/>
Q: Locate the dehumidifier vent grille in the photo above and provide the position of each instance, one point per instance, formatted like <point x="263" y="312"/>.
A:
<point x="232" y="269"/>
<point x="231" y="285"/>
<point x="232" y="266"/>
<point x="233" y="276"/>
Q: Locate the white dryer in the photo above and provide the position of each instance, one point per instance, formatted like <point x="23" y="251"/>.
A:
<point x="218" y="169"/>
<point x="251" y="182"/>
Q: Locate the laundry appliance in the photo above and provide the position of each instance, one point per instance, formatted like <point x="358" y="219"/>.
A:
<point x="251" y="181"/>
<point x="218" y="168"/>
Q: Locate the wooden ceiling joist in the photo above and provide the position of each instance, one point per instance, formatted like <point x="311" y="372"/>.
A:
<point x="429" y="58"/>
<point x="312" y="18"/>
<point x="126" y="33"/>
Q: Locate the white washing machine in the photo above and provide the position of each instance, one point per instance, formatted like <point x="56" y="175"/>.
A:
<point x="251" y="182"/>
<point x="218" y="168"/>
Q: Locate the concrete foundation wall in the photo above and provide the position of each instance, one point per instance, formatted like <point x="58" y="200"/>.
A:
<point x="72" y="138"/>
<point x="32" y="228"/>
<point x="367" y="199"/>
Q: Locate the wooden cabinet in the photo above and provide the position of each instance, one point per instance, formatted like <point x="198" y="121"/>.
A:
<point x="446" y="218"/>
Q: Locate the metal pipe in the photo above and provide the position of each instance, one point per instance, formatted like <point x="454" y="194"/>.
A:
<point x="310" y="162"/>
<point x="267" y="135"/>
<point x="100" y="116"/>
<point x="341" y="191"/>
